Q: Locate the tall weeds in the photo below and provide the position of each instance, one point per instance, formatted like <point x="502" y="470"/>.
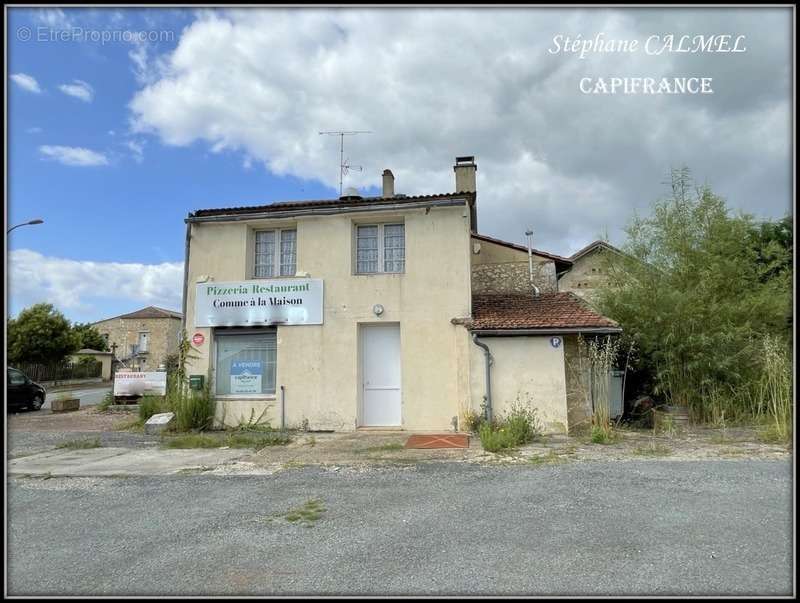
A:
<point x="594" y="361"/>
<point x="775" y="387"/>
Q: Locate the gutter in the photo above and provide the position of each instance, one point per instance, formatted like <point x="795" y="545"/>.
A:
<point x="488" y="396"/>
<point x="554" y="331"/>
<point x="191" y="218"/>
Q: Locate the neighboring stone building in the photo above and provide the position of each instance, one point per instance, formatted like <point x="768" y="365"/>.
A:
<point x="501" y="267"/>
<point x="142" y="340"/>
<point x="588" y="272"/>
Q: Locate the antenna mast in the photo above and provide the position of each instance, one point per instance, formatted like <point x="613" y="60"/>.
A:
<point x="344" y="164"/>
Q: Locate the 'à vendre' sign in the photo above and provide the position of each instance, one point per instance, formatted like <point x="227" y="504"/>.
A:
<point x="296" y="301"/>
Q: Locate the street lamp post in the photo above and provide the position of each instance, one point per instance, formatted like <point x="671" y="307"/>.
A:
<point x="36" y="221"/>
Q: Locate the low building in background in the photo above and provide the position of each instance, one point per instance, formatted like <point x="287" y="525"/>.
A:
<point x="142" y="340"/>
<point x="104" y="358"/>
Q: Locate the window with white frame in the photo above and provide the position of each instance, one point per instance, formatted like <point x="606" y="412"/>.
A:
<point x="275" y="253"/>
<point x="246" y="363"/>
<point x="380" y="248"/>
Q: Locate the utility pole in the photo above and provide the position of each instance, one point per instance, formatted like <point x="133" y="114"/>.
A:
<point x="344" y="165"/>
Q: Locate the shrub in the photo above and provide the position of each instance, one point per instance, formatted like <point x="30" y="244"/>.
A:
<point x="518" y="427"/>
<point x="151" y="405"/>
<point x="194" y="410"/>
<point x="107" y="401"/>
<point x="472" y="420"/>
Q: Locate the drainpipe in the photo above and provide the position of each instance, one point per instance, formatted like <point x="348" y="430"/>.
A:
<point x="529" y="236"/>
<point x="283" y="408"/>
<point x="488" y="395"/>
<point x="186" y="270"/>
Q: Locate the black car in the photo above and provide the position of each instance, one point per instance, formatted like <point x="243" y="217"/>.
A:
<point x="22" y="392"/>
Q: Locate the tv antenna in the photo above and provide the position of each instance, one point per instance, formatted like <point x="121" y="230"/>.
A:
<point x="344" y="164"/>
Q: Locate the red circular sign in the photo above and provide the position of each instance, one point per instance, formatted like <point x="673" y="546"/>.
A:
<point x="198" y="338"/>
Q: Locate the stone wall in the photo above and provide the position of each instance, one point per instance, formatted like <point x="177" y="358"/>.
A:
<point x="513" y="277"/>
<point x="586" y="277"/>
<point x="579" y="405"/>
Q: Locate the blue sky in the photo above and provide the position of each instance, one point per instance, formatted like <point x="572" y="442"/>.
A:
<point x="112" y="143"/>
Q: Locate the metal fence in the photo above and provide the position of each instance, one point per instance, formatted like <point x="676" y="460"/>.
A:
<point x="63" y="371"/>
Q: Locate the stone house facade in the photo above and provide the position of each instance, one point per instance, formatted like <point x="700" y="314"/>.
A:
<point x="588" y="272"/>
<point x="143" y="339"/>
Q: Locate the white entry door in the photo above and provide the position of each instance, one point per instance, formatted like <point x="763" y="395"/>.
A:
<point x="380" y="357"/>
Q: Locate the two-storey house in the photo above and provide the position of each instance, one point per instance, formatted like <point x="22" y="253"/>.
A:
<point x="377" y="312"/>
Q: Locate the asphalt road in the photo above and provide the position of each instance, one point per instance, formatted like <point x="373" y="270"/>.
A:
<point x="595" y="528"/>
<point x="91" y="396"/>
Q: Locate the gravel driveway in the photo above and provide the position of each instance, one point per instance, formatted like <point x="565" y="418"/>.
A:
<point x="699" y="527"/>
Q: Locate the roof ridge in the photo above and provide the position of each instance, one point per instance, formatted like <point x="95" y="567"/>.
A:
<point x="491" y="239"/>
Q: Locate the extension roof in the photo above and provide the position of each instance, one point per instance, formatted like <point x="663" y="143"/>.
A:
<point x="550" y="312"/>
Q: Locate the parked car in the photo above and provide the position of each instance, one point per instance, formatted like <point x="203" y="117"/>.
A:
<point x="22" y="392"/>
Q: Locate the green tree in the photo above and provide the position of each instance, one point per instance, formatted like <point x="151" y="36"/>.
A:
<point x="90" y="337"/>
<point x="696" y="294"/>
<point x="40" y="334"/>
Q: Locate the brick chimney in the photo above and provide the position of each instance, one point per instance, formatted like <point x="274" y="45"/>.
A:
<point x="388" y="183"/>
<point x="465" y="169"/>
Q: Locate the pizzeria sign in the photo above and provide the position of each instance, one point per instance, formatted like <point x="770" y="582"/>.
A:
<point x="257" y="303"/>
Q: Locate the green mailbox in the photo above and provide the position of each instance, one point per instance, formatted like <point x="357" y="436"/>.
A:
<point x="196" y="381"/>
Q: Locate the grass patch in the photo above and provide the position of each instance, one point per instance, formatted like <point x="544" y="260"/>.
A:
<point x="773" y="434"/>
<point x="107" y="401"/>
<point x="603" y="435"/>
<point x="551" y="458"/>
<point x="294" y="465"/>
<point x="393" y="446"/>
<point x="132" y="424"/>
<point x="520" y="426"/>
<point x="307" y="514"/>
<point x="652" y="449"/>
<point x="236" y="439"/>
<point x="151" y="405"/>
<point x="80" y="444"/>
<point x="735" y="452"/>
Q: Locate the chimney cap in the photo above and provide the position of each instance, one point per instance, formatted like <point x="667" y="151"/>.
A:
<point x="387" y="172"/>
<point x="465" y="159"/>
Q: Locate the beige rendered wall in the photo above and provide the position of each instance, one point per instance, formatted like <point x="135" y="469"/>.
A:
<point x="102" y="358"/>
<point x="528" y="368"/>
<point x="163" y="337"/>
<point x="318" y="365"/>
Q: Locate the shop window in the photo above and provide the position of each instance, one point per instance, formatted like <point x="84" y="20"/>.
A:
<point x="275" y="253"/>
<point x="380" y="248"/>
<point x="246" y="363"/>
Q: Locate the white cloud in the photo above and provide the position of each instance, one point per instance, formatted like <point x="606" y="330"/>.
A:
<point x="52" y="17"/>
<point x="75" y="284"/>
<point x="435" y="84"/>
<point x="26" y="82"/>
<point x="73" y="155"/>
<point x="136" y="147"/>
<point x="79" y="89"/>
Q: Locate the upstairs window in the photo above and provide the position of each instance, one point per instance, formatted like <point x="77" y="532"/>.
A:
<point x="380" y="248"/>
<point x="275" y="253"/>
